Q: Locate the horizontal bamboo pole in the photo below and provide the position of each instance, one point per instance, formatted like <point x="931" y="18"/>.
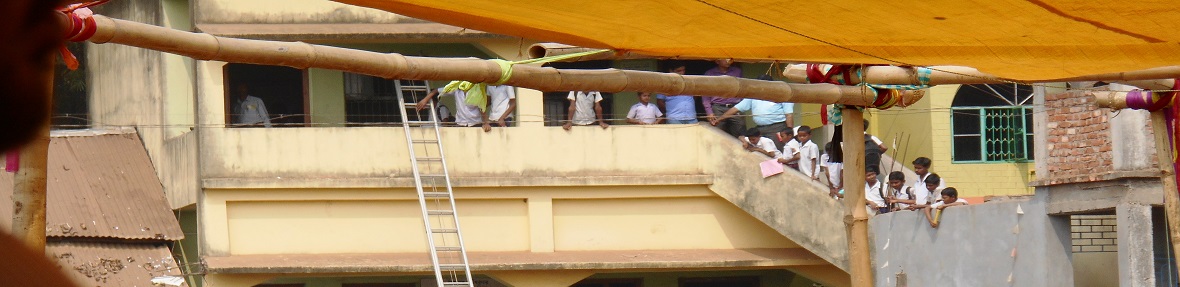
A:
<point x="1152" y="79"/>
<point x="395" y="66"/>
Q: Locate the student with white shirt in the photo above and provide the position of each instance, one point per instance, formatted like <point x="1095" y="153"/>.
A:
<point x="644" y="112"/>
<point x="465" y="115"/>
<point x="950" y="197"/>
<point x="755" y="142"/>
<point x="874" y="195"/>
<point x="585" y="109"/>
<point x="922" y="195"/>
<point x="501" y="104"/>
<point x="832" y="162"/>
<point x="790" y="154"/>
<point x="808" y="153"/>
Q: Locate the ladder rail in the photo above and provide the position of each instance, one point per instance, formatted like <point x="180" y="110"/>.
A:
<point x="422" y="195"/>
<point x="454" y="209"/>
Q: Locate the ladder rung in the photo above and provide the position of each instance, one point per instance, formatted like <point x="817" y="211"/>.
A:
<point x="435" y="194"/>
<point x="440" y="212"/>
<point x="429" y="159"/>
<point x="444" y="230"/>
<point x="412" y="105"/>
<point x="420" y="122"/>
<point x="448" y="248"/>
<point x="452" y="267"/>
<point x="425" y="141"/>
<point x="432" y="175"/>
<point x="456" y="284"/>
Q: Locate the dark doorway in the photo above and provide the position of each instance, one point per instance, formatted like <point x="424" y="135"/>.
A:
<point x="283" y="91"/>
<point x="750" y="281"/>
<point x="613" y="282"/>
<point x="71" y="106"/>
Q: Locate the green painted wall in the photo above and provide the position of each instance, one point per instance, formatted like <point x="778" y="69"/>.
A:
<point x="327" y="97"/>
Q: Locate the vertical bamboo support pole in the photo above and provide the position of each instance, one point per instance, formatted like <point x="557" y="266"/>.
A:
<point x="856" y="219"/>
<point x="29" y="183"/>
<point x="1163" y="154"/>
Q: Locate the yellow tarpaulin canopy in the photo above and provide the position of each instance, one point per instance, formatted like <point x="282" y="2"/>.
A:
<point x="1022" y="40"/>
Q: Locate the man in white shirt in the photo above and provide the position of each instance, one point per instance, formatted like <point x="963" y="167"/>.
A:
<point x="644" y="112"/>
<point x="501" y="104"/>
<point x="250" y="110"/>
<point x="465" y="115"/>
<point x="585" y="109"/>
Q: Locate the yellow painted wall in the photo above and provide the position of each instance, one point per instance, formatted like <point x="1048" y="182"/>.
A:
<point x="928" y="125"/>
<point x="311" y="221"/>
<point x="658" y="223"/>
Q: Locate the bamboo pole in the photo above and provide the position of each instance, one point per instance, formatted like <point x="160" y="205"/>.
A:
<point x="395" y="66"/>
<point x="856" y="218"/>
<point x="1163" y="151"/>
<point x="29" y="183"/>
<point x="944" y="75"/>
<point x="1163" y="155"/>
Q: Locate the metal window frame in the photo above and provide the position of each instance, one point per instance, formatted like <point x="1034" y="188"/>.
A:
<point x="983" y="137"/>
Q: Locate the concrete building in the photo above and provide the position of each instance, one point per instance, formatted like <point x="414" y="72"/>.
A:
<point x="325" y="197"/>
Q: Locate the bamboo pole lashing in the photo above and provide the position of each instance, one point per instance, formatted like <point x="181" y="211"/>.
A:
<point x="302" y="56"/>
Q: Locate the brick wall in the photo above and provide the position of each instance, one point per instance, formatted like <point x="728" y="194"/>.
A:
<point x="1079" y="138"/>
<point x="1094" y="233"/>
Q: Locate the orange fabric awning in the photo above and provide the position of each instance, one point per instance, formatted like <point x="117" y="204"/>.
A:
<point x="1022" y="40"/>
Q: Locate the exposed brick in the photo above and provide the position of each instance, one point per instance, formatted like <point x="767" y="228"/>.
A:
<point x="1103" y="242"/>
<point x="1102" y="228"/>
<point x="1091" y="248"/>
<point x="1105" y="248"/>
<point x="1080" y="242"/>
<point x="1075" y="235"/>
<point x="1091" y="235"/>
<point x="1110" y="235"/>
<point x="1111" y="222"/>
<point x="1080" y="228"/>
<point x="1091" y="222"/>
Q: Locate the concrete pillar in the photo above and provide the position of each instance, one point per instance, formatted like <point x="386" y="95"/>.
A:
<point x="1136" y="261"/>
<point x="530" y="108"/>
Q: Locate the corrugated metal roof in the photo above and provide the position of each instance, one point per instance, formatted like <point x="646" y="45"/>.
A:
<point x="101" y="185"/>
<point x="113" y="264"/>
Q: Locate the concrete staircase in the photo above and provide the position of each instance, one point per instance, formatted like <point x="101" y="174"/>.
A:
<point x="794" y="205"/>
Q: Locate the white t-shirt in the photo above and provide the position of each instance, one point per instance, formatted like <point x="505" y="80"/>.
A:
<point x="833" y="168"/>
<point x="645" y="113"/>
<point x="939" y="203"/>
<point x="790" y="149"/>
<point x="465" y="115"/>
<point x="584" y="106"/>
<point x="902" y="194"/>
<point x="498" y="97"/>
<point x="924" y="195"/>
<point x="873" y="193"/>
<point x="766" y="144"/>
<point x="808" y="152"/>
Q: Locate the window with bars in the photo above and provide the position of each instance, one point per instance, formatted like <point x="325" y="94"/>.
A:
<point x="992" y="123"/>
<point x="371" y="100"/>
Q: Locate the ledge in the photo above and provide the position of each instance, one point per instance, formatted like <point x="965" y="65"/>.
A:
<point x="1106" y="176"/>
<point x="407" y="182"/>
<point x="519" y="260"/>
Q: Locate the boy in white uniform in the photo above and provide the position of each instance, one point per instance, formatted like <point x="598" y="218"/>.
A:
<point x="585" y="109"/>
<point x="874" y="196"/>
<point x="922" y="195"/>
<point x="808" y="153"/>
<point x="755" y="142"/>
<point x="501" y="104"/>
<point x="644" y="112"/>
<point x="950" y="197"/>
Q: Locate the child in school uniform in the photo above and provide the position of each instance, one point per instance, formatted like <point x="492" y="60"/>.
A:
<point x="755" y="142"/>
<point x="833" y="165"/>
<point x="874" y="195"/>
<point x="931" y="183"/>
<point x="808" y="153"/>
<point x="899" y="196"/>
<point x="950" y="197"/>
<point x="790" y="154"/>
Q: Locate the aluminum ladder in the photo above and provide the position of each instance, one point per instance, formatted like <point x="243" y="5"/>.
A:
<point x="433" y="183"/>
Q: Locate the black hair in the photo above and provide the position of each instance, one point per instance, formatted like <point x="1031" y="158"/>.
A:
<point x="933" y="179"/>
<point x="835" y="153"/>
<point x="872" y="169"/>
<point x="866" y="123"/>
<point x="805" y="129"/>
<point x="922" y="161"/>
<point x="753" y="132"/>
<point x="950" y="191"/>
<point x="897" y="175"/>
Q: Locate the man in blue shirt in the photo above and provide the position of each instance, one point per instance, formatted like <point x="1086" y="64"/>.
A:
<point x="770" y="117"/>
<point x="679" y="109"/>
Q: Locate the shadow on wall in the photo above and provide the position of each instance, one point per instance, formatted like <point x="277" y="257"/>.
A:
<point x="1010" y="243"/>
